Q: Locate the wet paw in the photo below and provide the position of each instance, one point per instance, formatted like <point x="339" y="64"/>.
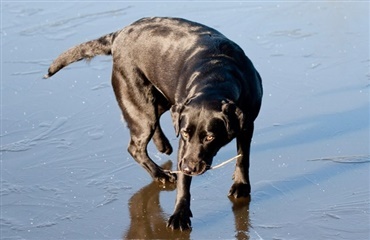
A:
<point x="180" y="220"/>
<point x="239" y="190"/>
<point x="162" y="143"/>
<point x="166" y="149"/>
<point x="165" y="176"/>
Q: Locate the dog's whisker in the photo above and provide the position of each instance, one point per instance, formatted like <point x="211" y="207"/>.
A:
<point x="214" y="167"/>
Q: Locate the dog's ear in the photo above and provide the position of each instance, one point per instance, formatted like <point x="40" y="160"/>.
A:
<point x="234" y="115"/>
<point x="175" y="114"/>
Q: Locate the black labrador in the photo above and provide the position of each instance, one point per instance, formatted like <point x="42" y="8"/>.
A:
<point x="207" y="82"/>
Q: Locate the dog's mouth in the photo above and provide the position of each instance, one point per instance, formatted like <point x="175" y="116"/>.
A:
<point x="194" y="170"/>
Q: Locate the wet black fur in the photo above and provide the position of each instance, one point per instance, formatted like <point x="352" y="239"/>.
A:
<point x="211" y="88"/>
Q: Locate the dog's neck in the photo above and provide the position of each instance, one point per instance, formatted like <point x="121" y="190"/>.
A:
<point x="211" y="95"/>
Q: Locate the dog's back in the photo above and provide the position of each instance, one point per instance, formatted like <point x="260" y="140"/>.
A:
<point x="173" y="53"/>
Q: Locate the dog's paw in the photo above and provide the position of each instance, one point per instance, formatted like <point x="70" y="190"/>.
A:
<point x="239" y="190"/>
<point x="165" y="176"/>
<point x="162" y="143"/>
<point x="180" y="220"/>
<point x="164" y="147"/>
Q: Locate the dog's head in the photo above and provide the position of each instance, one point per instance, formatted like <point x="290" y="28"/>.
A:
<point x="205" y="127"/>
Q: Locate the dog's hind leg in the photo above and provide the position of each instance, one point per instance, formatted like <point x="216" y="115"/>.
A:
<point x="135" y="97"/>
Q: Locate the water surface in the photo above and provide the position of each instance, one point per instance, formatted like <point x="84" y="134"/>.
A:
<point x="65" y="171"/>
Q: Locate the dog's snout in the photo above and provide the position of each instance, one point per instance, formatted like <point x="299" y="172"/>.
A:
<point x="187" y="170"/>
<point x="192" y="168"/>
<point x="186" y="167"/>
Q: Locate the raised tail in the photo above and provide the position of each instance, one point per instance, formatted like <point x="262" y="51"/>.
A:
<point x="87" y="50"/>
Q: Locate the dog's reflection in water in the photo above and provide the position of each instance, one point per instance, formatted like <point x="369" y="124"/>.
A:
<point x="241" y="217"/>
<point x="148" y="221"/>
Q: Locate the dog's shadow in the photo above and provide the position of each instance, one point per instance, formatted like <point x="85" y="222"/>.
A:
<point x="148" y="220"/>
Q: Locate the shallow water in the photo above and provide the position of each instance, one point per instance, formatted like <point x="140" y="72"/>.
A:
<point x="65" y="171"/>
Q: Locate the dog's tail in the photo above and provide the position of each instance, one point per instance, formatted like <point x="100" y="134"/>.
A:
<point x="87" y="50"/>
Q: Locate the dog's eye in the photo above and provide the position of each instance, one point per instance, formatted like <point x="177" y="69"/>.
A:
<point x="209" y="138"/>
<point x="185" y="134"/>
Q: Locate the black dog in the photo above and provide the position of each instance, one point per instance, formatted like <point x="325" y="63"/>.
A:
<point x="211" y="87"/>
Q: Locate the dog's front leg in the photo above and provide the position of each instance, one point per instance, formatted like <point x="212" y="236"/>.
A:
<point x="241" y="186"/>
<point x="182" y="214"/>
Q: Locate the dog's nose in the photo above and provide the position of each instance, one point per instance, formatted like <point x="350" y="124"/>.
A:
<point x="192" y="168"/>
<point x="187" y="169"/>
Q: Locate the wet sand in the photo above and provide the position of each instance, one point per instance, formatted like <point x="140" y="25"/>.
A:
<point x="65" y="171"/>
